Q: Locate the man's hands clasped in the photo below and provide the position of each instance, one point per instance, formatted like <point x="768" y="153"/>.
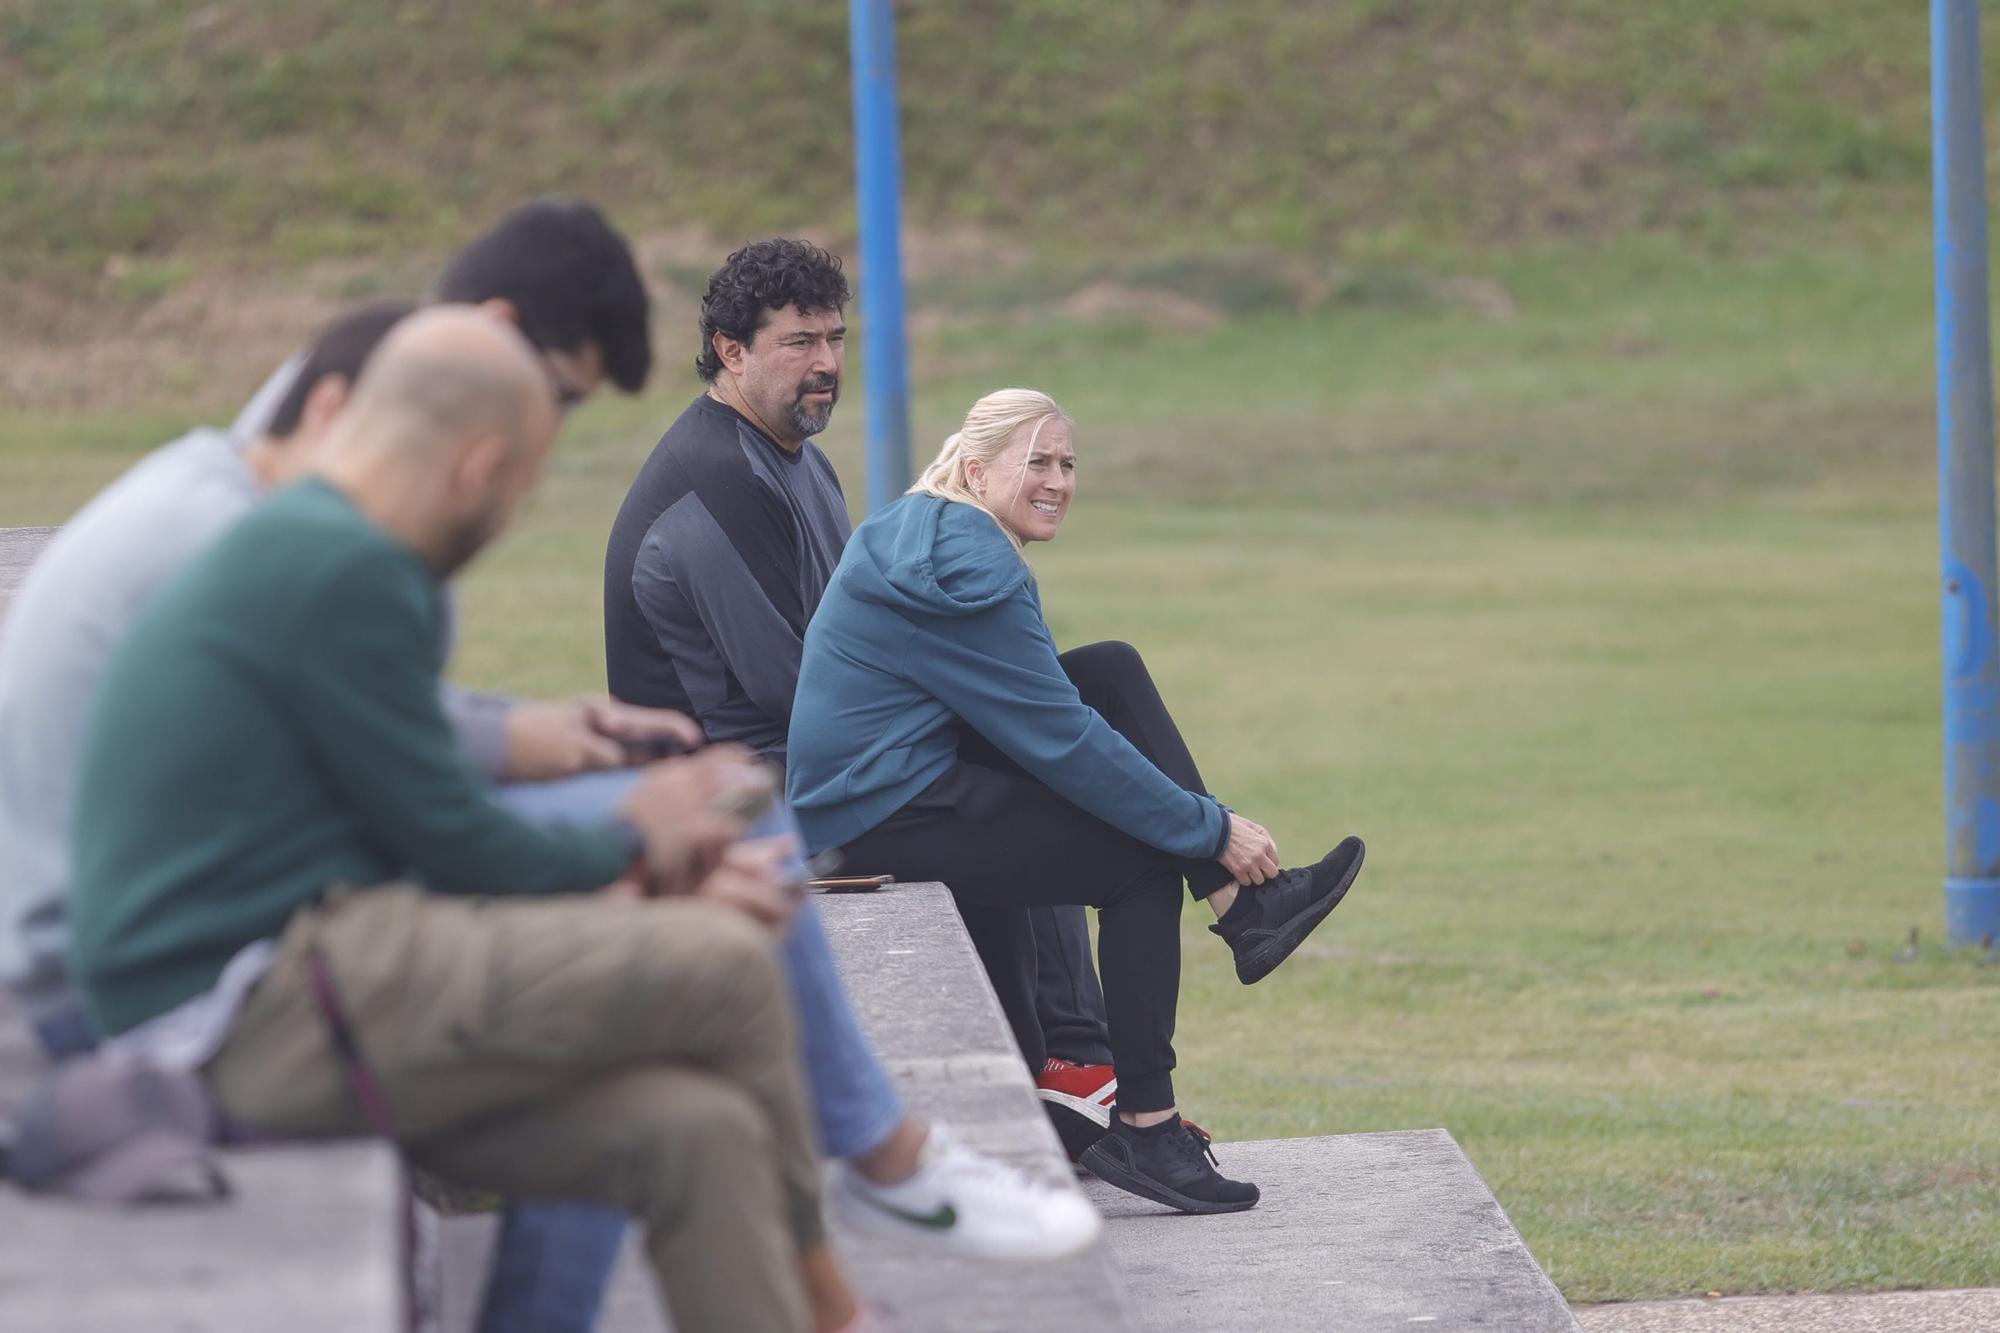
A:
<point x="689" y="810"/>
<point x="690" y="814"/>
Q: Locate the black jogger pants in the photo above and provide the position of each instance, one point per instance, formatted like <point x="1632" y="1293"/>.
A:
<point x="1004" y="843"/>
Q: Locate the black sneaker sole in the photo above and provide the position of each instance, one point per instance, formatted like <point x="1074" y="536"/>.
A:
<point x="1076" y="1130"/>
<point x="1109" y="1170"/>
<point x="1261" y="961"/>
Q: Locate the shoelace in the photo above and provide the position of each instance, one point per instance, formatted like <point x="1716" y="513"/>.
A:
<point x="1286" y="880"/>
<point x="1188" y="1147"/>
<point x="1269" y="891"/>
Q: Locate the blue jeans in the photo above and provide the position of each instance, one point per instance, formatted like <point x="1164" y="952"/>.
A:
<point x="64" y="1031"/>
<point x="854" y="1102"/>
<point x="554" y="1260"/>
<point x="550" y="1267"/>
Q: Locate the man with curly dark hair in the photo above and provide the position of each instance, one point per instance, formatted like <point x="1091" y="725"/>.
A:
<point x="759" y="285"/>
<point x="735" y="523"/>
<point x="718" y="559"/>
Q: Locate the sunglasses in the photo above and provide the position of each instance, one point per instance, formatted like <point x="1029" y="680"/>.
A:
<point x="567" y="395"/>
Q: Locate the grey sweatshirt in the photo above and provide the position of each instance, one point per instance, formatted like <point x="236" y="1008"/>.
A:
<point x="103" y="566"/>
<point x="82" y="594"/>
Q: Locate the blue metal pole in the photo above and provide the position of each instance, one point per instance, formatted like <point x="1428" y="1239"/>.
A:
<point x="1965" y="478"/>
<point x="878" y="173"/>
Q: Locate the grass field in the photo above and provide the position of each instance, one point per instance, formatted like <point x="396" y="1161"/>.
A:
<point x="1609" y="620"/>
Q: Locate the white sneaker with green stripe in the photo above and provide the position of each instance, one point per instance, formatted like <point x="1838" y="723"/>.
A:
<point x="965" y="1203"/>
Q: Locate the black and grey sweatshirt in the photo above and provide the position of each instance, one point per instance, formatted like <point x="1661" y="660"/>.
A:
<point x="717" y="560"/>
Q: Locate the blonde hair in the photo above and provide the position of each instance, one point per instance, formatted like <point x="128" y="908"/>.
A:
<point x="989" y="428"/>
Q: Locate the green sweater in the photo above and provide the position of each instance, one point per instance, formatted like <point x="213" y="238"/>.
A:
<point x="270" y="727"/>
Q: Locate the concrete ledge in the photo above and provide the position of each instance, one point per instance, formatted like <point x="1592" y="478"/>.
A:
<point x="1366" y="1231"/>
<point x="311" y="1242"/>
<point x="923" y="997"/>
<point x="18" y="549"/>
<point x="308" y="1245"/>
<point x="1354" y="1232"/>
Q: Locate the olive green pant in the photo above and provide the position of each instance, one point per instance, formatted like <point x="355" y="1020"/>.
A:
<point x="639" y="1055"/>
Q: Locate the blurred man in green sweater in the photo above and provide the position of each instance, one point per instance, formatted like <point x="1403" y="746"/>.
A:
<point x="271" y="796"/>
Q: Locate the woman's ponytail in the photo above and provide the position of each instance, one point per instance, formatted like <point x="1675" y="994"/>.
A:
<point x="938" y="478"/>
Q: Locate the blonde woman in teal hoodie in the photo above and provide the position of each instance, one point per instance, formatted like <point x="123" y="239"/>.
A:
<point x="935" y="736"/>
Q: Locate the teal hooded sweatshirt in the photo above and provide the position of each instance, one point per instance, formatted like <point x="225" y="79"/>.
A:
<point x="933" y="622"/>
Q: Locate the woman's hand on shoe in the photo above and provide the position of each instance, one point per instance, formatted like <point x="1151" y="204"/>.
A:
<point x="1251" y="856"/>
<point x="758" y="878"/>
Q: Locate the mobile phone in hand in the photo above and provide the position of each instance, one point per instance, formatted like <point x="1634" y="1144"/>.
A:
<point x="653" y="747"/>
<point x="775" y="821"/>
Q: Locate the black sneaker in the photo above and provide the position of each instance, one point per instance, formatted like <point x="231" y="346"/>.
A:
<point x="1168" y="1164"/>
<point x="1269" y="920"/>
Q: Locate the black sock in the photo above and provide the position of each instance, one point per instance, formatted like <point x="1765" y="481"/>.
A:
<point x="1160" y="1130"/>
<point x="1244" y="907"/>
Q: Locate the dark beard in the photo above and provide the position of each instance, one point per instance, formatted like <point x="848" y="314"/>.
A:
<point x="466" y="541"/>
<point x="807" y="421"/>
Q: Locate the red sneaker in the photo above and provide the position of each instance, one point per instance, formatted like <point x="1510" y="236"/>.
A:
<point x="1078" y="1100"/>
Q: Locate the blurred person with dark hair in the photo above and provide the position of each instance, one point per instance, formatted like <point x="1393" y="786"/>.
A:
<point x="557" y="270"/>
<point x="572" y="285"/>
<point x="514" y="1022"/>
<point x="714" y="565"/>
<point x="104" y="566"/>
<point x="109" y="560"/>
<point x="581" y="290"/>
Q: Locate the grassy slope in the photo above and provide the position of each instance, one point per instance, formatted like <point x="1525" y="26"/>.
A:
<point x="317" y="127"/>
<point x="1612" y="627"/>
